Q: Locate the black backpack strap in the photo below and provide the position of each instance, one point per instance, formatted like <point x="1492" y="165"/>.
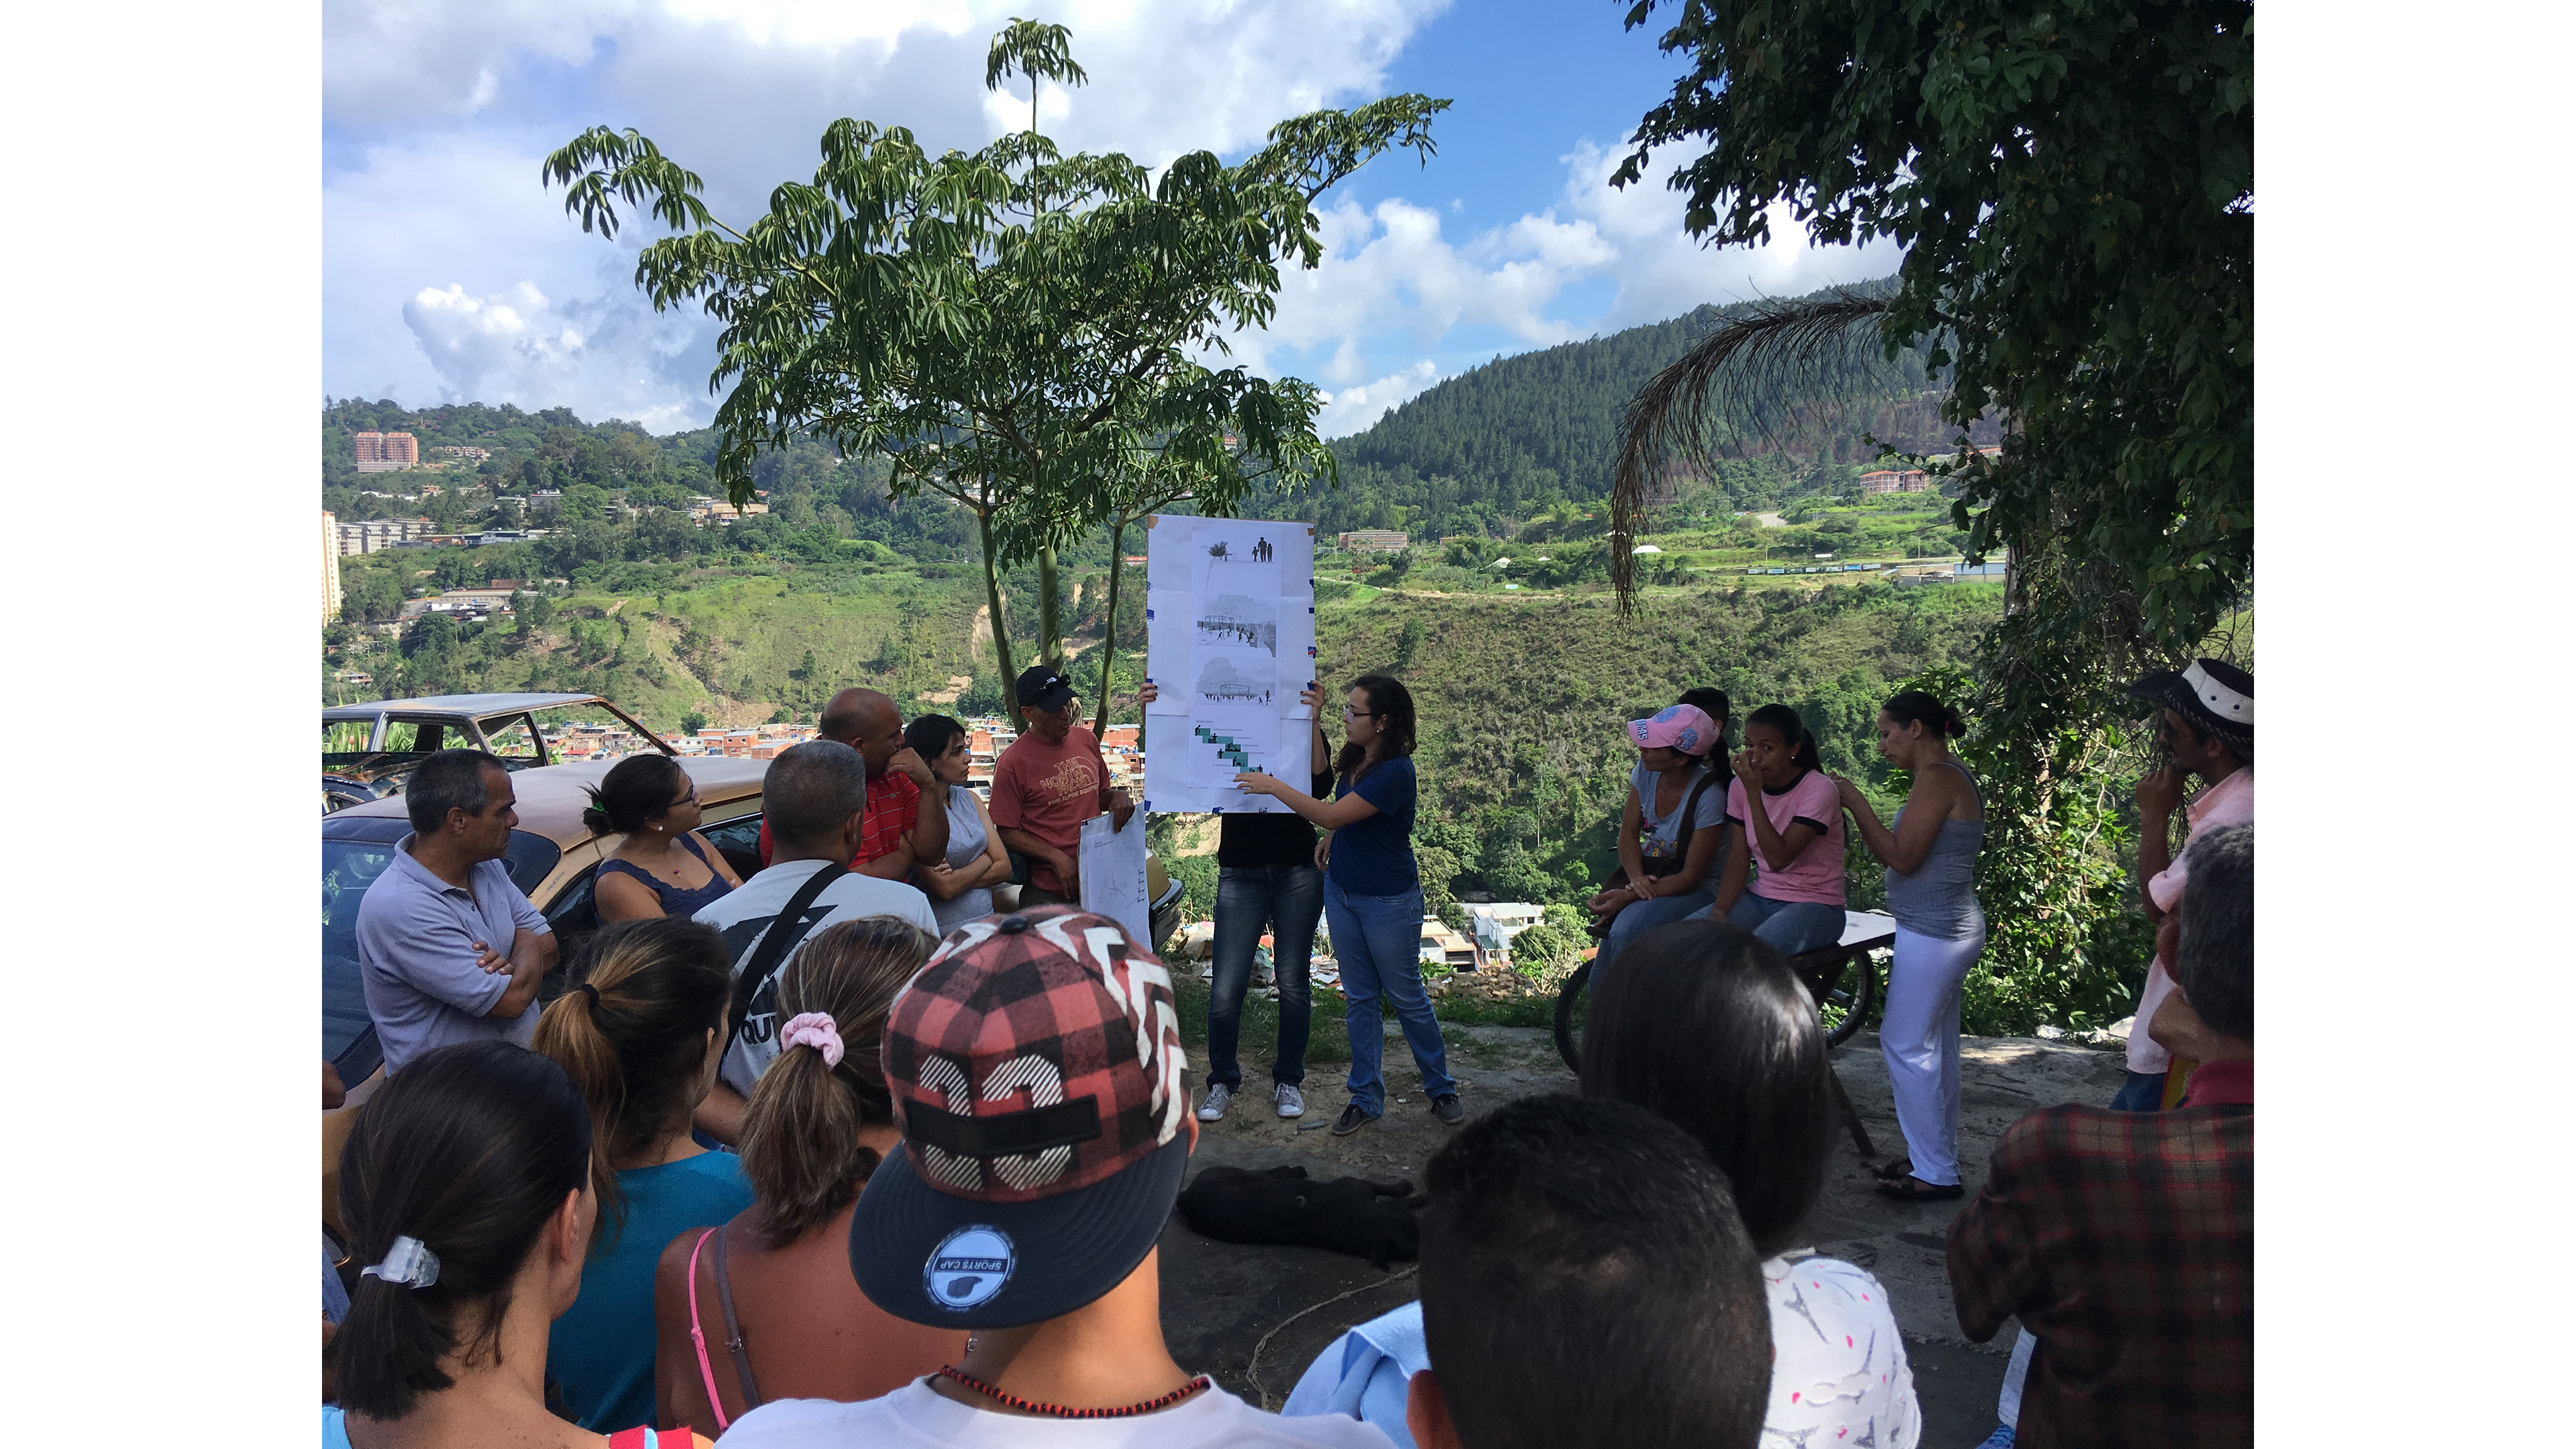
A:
<point x="1690" y="819"/>
<point x="773" y="945"/>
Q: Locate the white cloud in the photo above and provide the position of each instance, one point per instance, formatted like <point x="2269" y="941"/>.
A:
<point x="1662" y="272"/>
<point x="1353" y="409"/>
<point x="441" y="114"/>
<point x="451" y="272"/>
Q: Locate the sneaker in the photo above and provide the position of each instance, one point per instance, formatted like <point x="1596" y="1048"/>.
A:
<point x="2002" y="1438"/>
<point x="1292" y="1103"/>
<point x="1353" y="1118"/>
<point x="1219" y="1098"/>
<point x="1446" y="1108"/>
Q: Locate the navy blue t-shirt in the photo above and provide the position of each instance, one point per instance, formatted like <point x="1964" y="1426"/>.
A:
<point x="1375" y="856"/>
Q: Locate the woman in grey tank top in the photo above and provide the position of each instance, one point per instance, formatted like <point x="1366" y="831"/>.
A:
<point x="961" y="886"/>
<point x="1931" y="860"/>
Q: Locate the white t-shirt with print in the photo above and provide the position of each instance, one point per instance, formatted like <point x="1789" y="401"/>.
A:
<point x="745" y="915"/>
<point x="1838" y="1369"/>
<point x="913" y="1417"/>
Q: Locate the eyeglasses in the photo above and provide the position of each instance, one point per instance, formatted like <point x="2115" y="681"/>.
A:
<point x="1350" y="713"/>
<point x="690" y="798"/>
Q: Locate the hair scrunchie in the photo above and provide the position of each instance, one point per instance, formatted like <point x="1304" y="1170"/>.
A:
<point x="815" y="1029"/>
<point x="586" y="989"/>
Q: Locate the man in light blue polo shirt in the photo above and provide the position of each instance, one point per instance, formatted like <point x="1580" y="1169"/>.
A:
<point x="448" y="949"/>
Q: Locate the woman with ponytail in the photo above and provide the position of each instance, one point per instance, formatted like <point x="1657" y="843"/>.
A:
<point x="1784" y="861"/>
<point x="1931" y="860"/>
<point x="764" y="1307"/>
<point x="640" y="1033"/>
<point x="465" y="1186"/>
<point x="663" y="866"/>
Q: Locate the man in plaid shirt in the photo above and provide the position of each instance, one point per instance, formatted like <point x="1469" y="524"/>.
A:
<point x="2124" y="1241"/>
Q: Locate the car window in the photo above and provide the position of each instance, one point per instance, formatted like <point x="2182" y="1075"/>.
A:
<point x="348" y="868"/>
<point x="739" y="839"/>
<point x="403" y="735"/>
<point x="346" y="737"/>
<point x="531" y="859"/>
<point x="513" y="738"/>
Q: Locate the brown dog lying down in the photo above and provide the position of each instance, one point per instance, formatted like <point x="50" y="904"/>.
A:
<point x="1364" y="1217"/>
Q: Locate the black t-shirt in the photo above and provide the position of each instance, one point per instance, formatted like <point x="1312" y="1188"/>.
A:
<point x="1258" y="839"/>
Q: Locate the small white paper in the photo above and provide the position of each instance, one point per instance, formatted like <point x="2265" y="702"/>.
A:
<point x="1113" y="875"/>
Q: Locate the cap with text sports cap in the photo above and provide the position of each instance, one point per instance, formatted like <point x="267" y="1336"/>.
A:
<point x="1042" y="687"/>
<point x="1035" y="1065"/>
<point x="2213" y="694"/>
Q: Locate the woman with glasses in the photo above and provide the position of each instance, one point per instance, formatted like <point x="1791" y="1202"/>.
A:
<point x="1373" y="895"/>
<point x="663" y="867"/>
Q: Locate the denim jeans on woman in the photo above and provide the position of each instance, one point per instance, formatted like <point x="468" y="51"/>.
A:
<point x="1378" y="941"/>
<point x="1288" y="898"/>
<point x="1791" y="927"/>
<point x="1645" y="916"/>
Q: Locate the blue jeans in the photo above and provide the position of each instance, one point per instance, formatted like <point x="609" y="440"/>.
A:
<point x="1792" y="928"/>
<point x="1288" y="898"/>
<point x="2142" y="1092"/>
<point x="1378" y="940"/>
<point x="1645" y="916"/>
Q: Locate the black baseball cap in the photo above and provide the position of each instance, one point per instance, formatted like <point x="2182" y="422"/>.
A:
<point x="1035" y="1066"/>
<point x="1041" y="687"/>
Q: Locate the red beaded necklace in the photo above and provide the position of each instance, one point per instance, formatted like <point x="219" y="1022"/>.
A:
<point x="1059" y="1411"/>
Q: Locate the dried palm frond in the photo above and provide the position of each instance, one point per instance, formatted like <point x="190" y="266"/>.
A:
<point x="1778" y="349"/>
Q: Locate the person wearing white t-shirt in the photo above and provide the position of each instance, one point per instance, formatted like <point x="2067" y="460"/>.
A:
<point x="1035" y="1066"/>
<point x="815" y="795"/>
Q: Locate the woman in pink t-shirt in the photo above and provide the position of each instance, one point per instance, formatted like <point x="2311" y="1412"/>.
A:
<point x="1792" y="848"/>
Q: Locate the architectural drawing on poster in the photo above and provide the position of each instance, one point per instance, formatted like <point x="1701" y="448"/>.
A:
<point x="1243" y="623"/>
<point x="1237" y="679"/>
<point x="1230" y="641"/>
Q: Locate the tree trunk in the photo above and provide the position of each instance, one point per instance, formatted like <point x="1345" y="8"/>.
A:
<point x="1050" y="613"/>
<point x="1109" y="627"/>
<point x="1001" y="626"/>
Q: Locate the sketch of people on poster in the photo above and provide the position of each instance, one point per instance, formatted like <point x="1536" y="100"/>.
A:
<point x="1239" y="622"/>
<point x="1238" y="679"/>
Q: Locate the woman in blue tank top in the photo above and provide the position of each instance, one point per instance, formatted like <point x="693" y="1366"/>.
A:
<point x="1931" y="860"/>
<point x="662" y="866"/>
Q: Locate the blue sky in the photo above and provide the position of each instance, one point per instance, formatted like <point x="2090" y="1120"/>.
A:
<point x="450" y="274"/>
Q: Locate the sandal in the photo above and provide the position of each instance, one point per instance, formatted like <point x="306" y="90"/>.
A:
<point x="1914" y="1189"/>
<point x="1891" y="1171"/>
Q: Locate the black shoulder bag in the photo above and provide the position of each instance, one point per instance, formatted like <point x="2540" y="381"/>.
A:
<point x="773" y="945"/>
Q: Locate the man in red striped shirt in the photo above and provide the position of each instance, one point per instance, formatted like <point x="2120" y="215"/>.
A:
<point x="896" y="831"/>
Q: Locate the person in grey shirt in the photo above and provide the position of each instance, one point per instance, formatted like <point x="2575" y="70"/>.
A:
<point x="448" y="949"/>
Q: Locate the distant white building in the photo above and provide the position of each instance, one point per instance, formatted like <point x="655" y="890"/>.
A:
<point x="330" y="567"/>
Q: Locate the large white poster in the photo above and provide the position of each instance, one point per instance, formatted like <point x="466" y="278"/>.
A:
<point x="1229" y="644"/>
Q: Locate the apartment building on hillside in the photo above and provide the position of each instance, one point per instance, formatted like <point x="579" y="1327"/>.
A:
<point x="386" y="452"/>
<point x="1375" y="540"/>
<point x="377" y="534"/>
<point x="1892" y="480"/>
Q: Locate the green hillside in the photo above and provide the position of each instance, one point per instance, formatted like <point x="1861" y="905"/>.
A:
<point x="1493" y="447"/>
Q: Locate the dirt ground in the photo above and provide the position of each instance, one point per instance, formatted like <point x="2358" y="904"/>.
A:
<point x="1254" y="1317"/>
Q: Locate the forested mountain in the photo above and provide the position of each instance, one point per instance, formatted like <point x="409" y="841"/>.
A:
<point x="1500" y="444"/>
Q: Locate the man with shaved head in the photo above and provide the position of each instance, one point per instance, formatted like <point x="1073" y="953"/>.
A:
<point x="898" y="831"/>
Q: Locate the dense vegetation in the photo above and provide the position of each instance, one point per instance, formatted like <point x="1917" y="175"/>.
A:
<point x="1488" y="450"/>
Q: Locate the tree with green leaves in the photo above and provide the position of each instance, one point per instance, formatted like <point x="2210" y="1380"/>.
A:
<point x="1017" y="329"/>
<point x="2074" y="189"/>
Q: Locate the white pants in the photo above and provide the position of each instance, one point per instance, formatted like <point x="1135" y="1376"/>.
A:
<point x="1919" y="1036"/>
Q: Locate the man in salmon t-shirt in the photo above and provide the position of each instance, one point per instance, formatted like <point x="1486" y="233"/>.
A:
<point x="1046" y="784"/>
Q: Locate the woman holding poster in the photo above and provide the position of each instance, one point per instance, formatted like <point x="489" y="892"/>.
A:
<point x="1373" y="895"/>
